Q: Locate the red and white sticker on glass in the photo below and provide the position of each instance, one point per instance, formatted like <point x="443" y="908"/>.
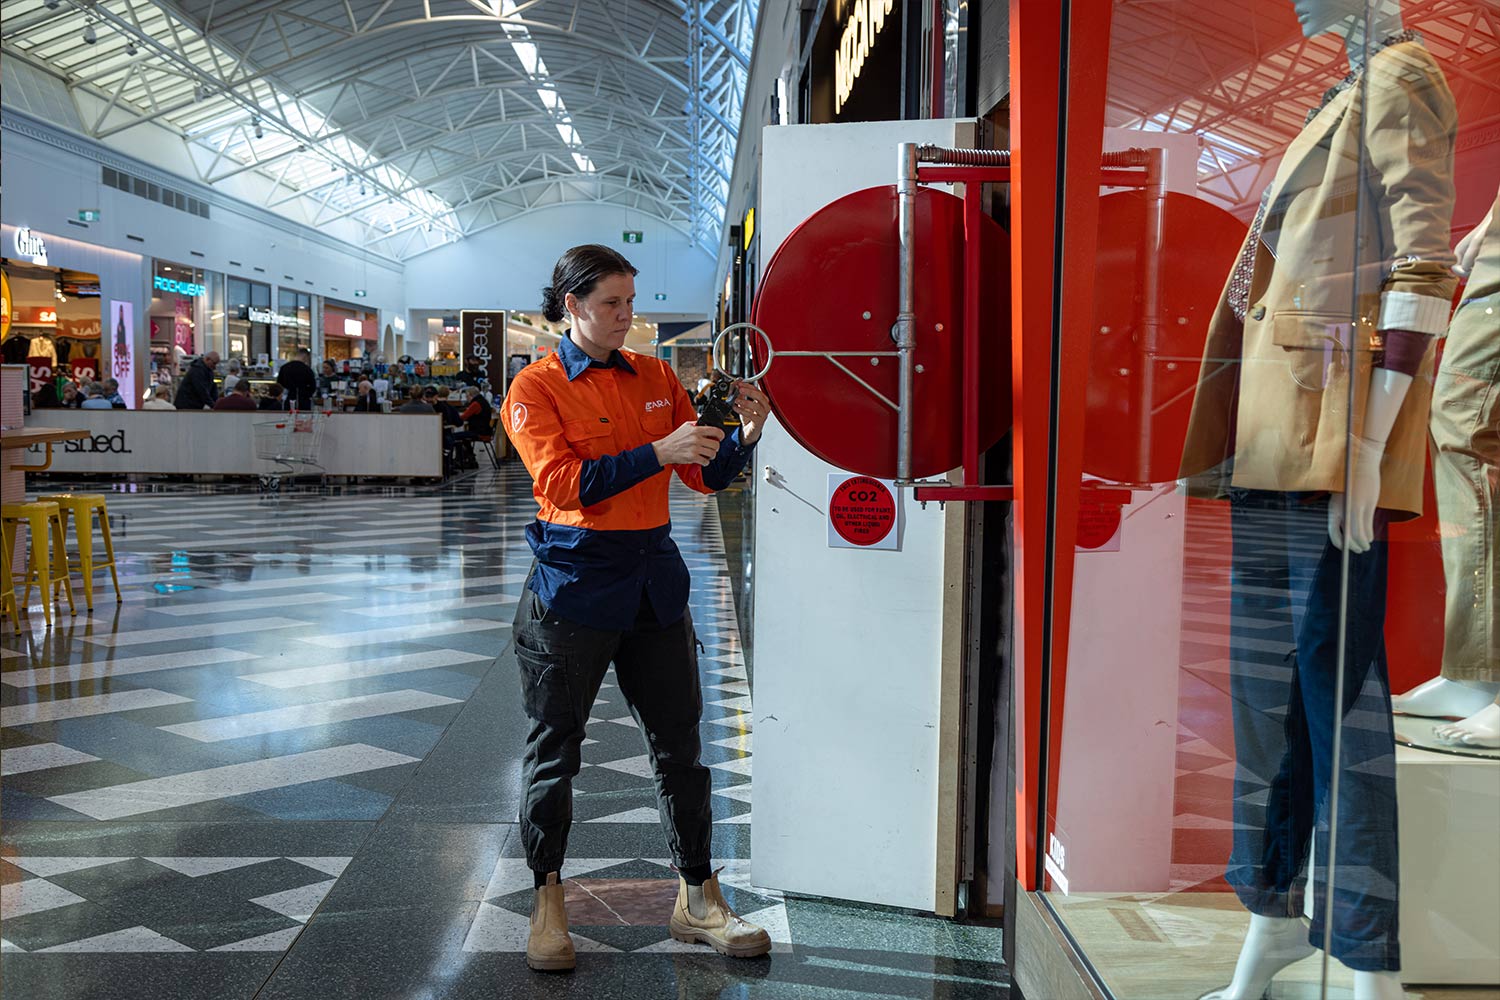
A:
<point x="863" y="513"/>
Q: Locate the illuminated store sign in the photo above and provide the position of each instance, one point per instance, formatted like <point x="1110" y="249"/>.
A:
<point x="257" y="314"/>
<point x="172" y="286"/>
<point x="353" y="328"/>
<point x="31" y="247"/>
<point x="862" y="26"/>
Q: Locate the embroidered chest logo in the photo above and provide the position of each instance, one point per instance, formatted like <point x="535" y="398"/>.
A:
<point x="657" y="404"/>
<point x="517" y="416"/>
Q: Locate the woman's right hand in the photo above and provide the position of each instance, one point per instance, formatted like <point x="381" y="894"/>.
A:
<point x="688" y="445"/>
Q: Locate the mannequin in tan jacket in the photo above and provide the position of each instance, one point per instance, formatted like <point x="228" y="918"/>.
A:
<point x="1466" y="466"/>
<point x="1316" y="383"/>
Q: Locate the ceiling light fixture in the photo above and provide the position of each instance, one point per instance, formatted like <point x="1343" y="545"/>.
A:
<point x="130" y="48"/>
<point x="53" y="4"/>
<point x="259" y="133"/>
<point x="88" y="34"/>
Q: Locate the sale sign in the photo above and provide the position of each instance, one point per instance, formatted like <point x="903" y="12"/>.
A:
<point x="863" y="513"/>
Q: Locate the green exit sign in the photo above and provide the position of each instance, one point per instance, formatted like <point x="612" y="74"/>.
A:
<point x="88" y="215"/>
<point x="634" y="236"/>
<point x="661" y="296"/>
<point x="359" y="293"/>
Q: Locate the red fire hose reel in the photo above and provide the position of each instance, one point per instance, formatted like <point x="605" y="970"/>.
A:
<point x="832" y="301"/>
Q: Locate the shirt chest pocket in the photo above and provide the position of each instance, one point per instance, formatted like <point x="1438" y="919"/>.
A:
<point x="589" y="438"/>
<point x="657" y="422"/>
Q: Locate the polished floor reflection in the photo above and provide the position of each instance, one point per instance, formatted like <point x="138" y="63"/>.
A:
<point x="287" y="765"/>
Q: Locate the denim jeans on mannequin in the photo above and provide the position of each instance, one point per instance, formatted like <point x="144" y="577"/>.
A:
<point x="1286" y="585"/>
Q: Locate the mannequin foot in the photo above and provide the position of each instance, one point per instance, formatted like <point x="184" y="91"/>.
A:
<point x="1441" y="698"/>
<point x="1272" y="944"/>
<point x="1378" y="986"/>
<point x="1482" y="729"/>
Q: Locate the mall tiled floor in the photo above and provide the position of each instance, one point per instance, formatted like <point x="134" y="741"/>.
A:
<point x="288" y="766"/>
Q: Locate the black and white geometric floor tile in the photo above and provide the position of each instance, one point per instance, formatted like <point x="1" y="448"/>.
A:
<point x="161" y="904"/>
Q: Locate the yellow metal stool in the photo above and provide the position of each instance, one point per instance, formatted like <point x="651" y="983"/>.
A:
<point x="8" y="587"/>
<point x="83" y="506"/>
<point x="48" y="565"/>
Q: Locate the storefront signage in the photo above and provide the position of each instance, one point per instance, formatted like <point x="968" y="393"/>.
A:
<point x="122" y="349"/>
<point x="258" y="314"/>
<point x="747" y="229"/>
<point x="147" y="443"/>
<point x="483" y="337"/>
<point x="863" y="24"/>
<point x="80" y="329"/>
<point x="172" y="286"/>
<point x="4" y="306"/>
<point x="862" y="513"/>
<point x="31" y="247"/>
<point x="399" y="323"/>
<point x="353" y="328"/>
<point x="36" y="316"/>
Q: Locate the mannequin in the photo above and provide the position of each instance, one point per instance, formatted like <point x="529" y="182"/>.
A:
<point x="1466" y="454"/>
<point x="1313" y="481"/>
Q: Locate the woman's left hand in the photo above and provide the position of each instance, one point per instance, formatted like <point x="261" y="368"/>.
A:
<point x="753" y="407"/>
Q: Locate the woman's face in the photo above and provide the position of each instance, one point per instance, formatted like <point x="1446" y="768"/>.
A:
<point x="602" y="318"/>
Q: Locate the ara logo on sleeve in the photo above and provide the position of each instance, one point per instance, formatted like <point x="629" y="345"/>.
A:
<point x="517" y="416"/>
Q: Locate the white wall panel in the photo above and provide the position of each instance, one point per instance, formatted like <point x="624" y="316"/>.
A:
<point x="847" y="642"/>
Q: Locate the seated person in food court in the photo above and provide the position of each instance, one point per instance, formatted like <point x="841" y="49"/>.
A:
<point x="477" y="416"/>
<point x="162" y="400"/>
<point x="112" y="393"/>
<point x="430" y="397"/>
<point x="366" y="402"/>
<point x="236" y="371"/>
<point x="326" y="375"/>
<point x="237" y="398"/>
<point x="448" y="411"/>
<point x="414" y="402"/>
<point x="198" y="390"/>
<point x="273" y="400"/>
<point x="95" y="398"/>
<point x="71" y="397"/>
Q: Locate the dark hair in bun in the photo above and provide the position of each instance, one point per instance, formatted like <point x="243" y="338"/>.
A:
<point x="577" y="272"/>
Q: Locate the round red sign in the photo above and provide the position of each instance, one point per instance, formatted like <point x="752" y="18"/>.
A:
<point x="862" y="511"/>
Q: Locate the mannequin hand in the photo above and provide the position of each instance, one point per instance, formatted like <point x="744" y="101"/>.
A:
<point x="1359" y="506"/>
<point x="753" y="407"/>
<point x="1468" y="248"/>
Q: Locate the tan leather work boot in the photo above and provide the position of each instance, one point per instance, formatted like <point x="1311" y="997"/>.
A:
<point x="720" y="927"/>
<point x="549" y="949"/>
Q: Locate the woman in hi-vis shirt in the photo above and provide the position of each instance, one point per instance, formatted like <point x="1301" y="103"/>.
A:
<point x="602" y="430"/>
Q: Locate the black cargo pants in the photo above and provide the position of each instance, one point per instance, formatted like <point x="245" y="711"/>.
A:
<point x="562" y="665"/>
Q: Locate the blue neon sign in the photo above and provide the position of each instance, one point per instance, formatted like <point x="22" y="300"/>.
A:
<point x="174" y="287"/>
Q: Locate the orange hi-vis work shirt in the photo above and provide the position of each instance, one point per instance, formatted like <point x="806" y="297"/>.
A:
<point x="602" y="538"/>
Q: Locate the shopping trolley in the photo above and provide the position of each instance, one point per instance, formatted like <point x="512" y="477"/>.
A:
<point x="293" y="442"/>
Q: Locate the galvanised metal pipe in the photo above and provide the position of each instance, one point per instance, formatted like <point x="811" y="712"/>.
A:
<point x="906" y="321"/>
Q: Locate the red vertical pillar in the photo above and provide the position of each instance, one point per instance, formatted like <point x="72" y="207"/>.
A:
<point x="1035" y="58"/>
<point x="1049" y="329"/>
